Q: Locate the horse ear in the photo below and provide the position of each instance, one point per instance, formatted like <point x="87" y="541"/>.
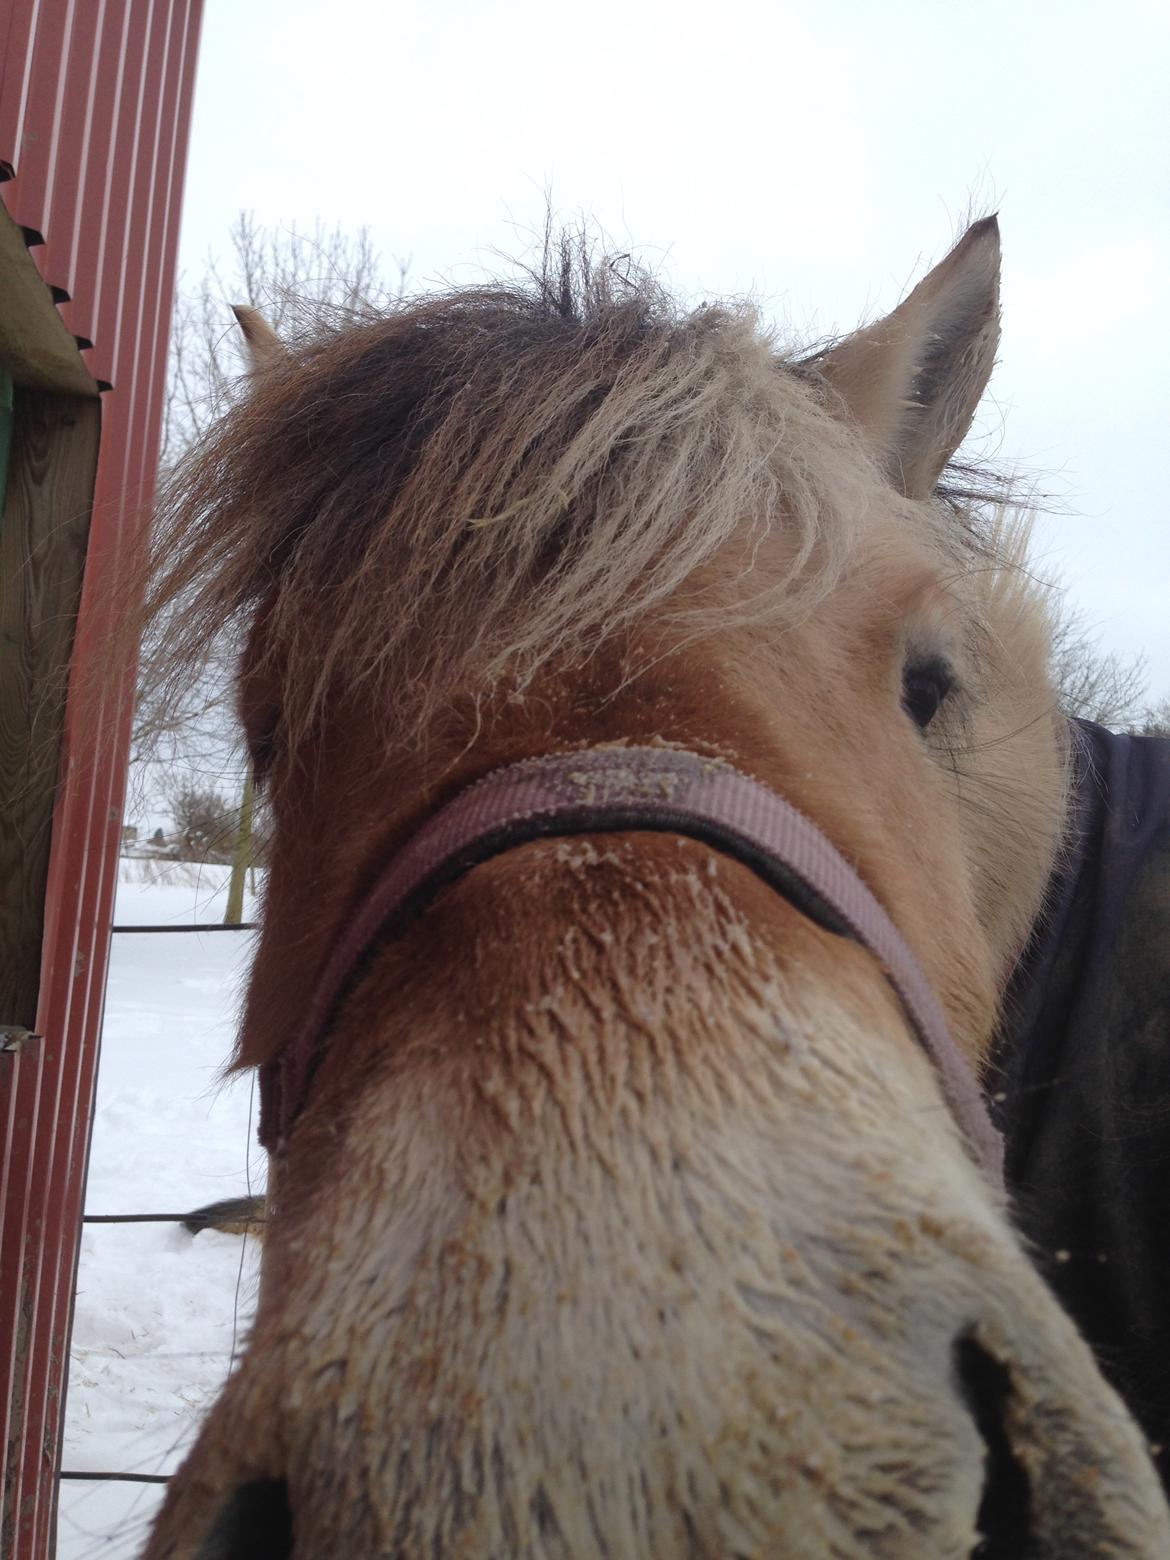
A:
<point x="263" y="347"/>
<point x="912" y="381"/>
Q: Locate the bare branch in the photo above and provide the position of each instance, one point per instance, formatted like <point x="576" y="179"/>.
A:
<point x="1091" y="683"/>
<point x="1154" y="721"/>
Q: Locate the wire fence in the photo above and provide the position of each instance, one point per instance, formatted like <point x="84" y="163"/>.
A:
<point x="101" y="1475"/>
<point x="186" y="926"/>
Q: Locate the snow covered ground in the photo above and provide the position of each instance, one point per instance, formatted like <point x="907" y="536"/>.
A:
<point x="158" y="1311"/>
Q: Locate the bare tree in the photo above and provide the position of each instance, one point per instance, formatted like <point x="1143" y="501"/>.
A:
<point x="205" y="823"/>
<point x="1093" y="683"/>
<point x="1154" y="721"/>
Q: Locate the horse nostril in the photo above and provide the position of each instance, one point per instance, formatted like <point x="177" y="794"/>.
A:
<point x="254" y="1523"/>
<point x="1005" y="1511"/>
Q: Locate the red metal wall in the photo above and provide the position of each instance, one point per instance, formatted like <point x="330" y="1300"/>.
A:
<point x="95" y="102"/>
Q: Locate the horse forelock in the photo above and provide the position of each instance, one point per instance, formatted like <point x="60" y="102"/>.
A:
<point x="449" y="498"/>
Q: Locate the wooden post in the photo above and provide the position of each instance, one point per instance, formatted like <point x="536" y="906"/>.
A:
<point x="241" y="854"/>
<point x="43" y="538"/>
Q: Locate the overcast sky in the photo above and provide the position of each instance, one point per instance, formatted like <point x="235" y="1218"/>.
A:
<point x="817" y="155"/>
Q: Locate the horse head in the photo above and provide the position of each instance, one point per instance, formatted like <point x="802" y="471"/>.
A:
<point x="624" y="1212"/>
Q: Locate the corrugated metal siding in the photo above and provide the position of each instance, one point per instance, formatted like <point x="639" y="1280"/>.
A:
<point x="95" y="104"/>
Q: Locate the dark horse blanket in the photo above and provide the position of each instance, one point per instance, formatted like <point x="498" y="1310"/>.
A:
<point x="1084" y="1073"/>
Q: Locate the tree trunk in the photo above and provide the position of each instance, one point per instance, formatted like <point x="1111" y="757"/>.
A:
<point x="241" y="856"/>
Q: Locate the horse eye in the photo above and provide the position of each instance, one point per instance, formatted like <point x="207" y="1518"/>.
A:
<point x="925" y="686"/>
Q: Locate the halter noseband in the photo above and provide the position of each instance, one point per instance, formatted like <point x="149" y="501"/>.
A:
<point x="600" y="790"/>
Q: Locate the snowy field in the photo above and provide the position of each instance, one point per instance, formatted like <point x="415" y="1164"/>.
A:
<point x="158" y="1311"/>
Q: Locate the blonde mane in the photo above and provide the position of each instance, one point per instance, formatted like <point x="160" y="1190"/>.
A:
<point x="483" y="482"/>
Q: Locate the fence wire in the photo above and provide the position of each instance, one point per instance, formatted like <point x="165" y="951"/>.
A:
<point x="102" y="1476"/>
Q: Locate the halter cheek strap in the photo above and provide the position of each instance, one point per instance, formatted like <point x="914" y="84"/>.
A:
<point x="601" y="790"/>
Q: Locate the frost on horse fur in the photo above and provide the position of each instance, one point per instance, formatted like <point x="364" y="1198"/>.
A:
<point x="625" y="1216"/>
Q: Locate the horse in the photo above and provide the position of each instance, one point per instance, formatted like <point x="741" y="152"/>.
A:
<point x="631" y="1190"/>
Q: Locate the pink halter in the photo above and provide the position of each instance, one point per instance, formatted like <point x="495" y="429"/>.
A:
<point x="600" y="790"/>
